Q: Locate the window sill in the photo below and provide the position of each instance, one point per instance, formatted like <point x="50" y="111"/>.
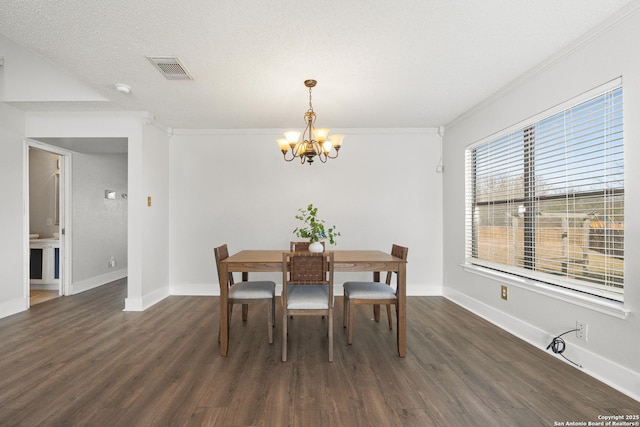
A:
<point x="601" y="305"/>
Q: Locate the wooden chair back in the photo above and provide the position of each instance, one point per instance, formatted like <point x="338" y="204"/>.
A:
<point x="300" y="246"/>
<point x="222" y="253"/>
<point x="399" y="252"/>
<point x="308" y="268"/>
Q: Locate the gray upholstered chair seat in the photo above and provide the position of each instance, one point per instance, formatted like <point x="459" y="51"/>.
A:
<point x="252" y="290"/>
<point x="308" y="297"/>
<point x="368" y="290"/>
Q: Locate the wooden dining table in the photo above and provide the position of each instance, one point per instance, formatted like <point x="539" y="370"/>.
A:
<point x="248" y="261"/>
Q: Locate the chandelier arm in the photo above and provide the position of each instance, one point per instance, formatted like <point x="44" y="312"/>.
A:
<point x="284" y="156"/>
<point x="333" y="157"/>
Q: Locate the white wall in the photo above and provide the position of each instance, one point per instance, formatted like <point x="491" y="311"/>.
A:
<point x="233" y="187"/>
<point x="155" y="218"/>
<point x="611" y="352"/>
<point x="12" y="228"/>
<point x="99" y="224"/>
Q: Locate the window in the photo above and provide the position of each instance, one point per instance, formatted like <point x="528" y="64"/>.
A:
<point x="545" y="200"/>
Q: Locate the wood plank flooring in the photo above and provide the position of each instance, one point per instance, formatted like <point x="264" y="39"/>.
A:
<point x="36" y="296"/>
<point x="81" y="360"/>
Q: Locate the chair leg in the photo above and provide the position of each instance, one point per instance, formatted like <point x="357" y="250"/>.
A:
<point x="376" y="312"/>
<point x="284" y="334"/>
<point x="228" y="322"/>
<point x="330" y="335"/>
<point x="270" y="322"/>
<point x="345" y="305"/>
<point x="352" y="307"/>
<point x="273" y="311"/>
<point x="245" y="312"/>
<point x="389" y="316"/>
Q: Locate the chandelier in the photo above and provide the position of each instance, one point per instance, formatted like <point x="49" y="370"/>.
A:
<point x="314" y="142"/>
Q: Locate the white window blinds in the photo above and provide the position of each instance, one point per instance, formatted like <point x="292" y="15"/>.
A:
<point x="546" y="200"/>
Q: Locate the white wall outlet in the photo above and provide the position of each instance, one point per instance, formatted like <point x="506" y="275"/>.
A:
<point x="112" y="262"/>
<point x="581" y="330"/>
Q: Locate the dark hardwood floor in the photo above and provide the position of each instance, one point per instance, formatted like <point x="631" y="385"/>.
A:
<point x="81" y="360"/>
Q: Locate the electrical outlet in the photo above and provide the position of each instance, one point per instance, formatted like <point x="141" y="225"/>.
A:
<point x="112" y="262"/>
<point x="504" y="292"/>
<point x="581" y="330"/>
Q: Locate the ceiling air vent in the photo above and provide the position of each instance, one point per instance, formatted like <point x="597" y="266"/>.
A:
<point x="170" y="67"/>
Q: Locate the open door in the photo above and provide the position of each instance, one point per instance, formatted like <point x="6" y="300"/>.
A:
<point x="47" y="221"/>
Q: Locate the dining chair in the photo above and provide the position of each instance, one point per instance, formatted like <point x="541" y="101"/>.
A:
<point x="247" y="292"/>
<point x="300" y="246"/>
<point x="307" y="280"/>
<point x="356" y="293"/>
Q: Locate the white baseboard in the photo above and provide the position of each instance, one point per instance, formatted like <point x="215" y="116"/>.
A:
<point x="11" y="307"/>
<point x="619" y="377"/>
<point x="141" y="304"/>
<point x="421" y="290"/>
<point x="205" y="289"/>
<point x="212" y="289"/>
<point x="94" y="282"/>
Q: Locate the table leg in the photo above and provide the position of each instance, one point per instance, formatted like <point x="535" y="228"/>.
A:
<point x="224" y="310"/>
<point x="245" y="307"/>
<point x="402" y="310"/>
<point x="376" y="307"/>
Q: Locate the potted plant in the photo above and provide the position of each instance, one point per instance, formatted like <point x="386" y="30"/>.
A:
<point x="314" y="229"/>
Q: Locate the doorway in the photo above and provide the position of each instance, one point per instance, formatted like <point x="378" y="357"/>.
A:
<point x="93" y="214"/>
<point x="47" y="221"/>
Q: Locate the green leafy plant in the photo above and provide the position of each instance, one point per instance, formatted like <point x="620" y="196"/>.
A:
<point x="314" y="229"/>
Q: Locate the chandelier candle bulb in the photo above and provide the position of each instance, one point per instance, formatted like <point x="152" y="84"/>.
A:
<point x="321" y="134"/>
<point x="293" y="137"/>
<point x="336" y="140"/>
<point x="284" y="144"/>
<point x="314" y="140"/>
<point x="326" y="147"/>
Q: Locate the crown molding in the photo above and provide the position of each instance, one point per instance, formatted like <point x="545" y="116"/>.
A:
<point x="613" y="21"/>
<point x="267" y="131"/>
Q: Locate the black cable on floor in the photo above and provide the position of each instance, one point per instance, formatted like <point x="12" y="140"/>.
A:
<point x="558" y="345"/>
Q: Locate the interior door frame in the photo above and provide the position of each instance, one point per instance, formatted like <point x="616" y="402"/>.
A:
<point x="65" y="226"/>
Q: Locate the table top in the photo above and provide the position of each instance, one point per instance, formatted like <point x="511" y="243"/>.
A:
<point x="339" y="256"/>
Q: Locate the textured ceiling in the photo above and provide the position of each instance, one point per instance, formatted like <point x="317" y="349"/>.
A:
<point x="384" y="63"/>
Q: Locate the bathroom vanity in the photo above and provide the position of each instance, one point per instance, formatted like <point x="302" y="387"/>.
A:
<point x="45" y="262"/>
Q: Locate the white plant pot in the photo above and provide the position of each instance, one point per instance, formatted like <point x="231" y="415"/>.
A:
<point x="316" y="247"/>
